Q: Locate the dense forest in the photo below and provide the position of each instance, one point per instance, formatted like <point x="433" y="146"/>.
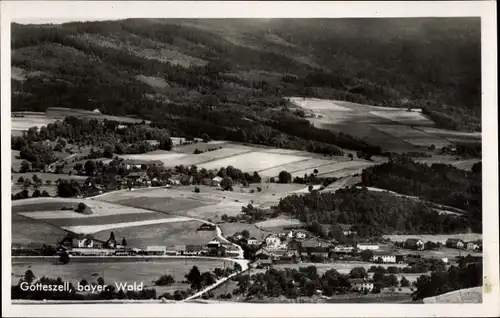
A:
<point x="437" y="183"/>
<point x="372" y="213"/>
<point x="228" y="78"/>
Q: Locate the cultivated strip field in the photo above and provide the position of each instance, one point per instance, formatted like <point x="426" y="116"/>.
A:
<point x="406" y="117"/>
<point x="253" y="161"/>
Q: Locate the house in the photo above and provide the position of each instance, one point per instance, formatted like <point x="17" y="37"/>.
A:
<point x="400" y="258"/>
<point x="272" y="240"/>
<point x="173" y="181"/>
<point x="347" y="229"/>
<point x="360" y="284"/>
<point x="383" y="257"/>
<point x="294" y="245"/>
<point x="253" y="241"/>
<point x="300" y="235"/>
<point x="206" y="227"/>
<point x="342" y="249"/>
<point x="286" y="234"/>
<point x="472" y="246"/>
<point x="263" y="254"/>
<point x="455" y="243"/>
<point x="193" y="250"/>
<point x="156" y="250"/>
<point x="215" y="182"/>
<point x="265" y="264"/>
<point x="77" y="241"/>
<point x="414" y="244"/>
<point x="214" y="247"/>
<point x="314" y="251"/>
<point x="367" y="246"/>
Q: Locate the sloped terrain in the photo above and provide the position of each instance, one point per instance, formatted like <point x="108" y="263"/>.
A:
<point x="228" y="77"/>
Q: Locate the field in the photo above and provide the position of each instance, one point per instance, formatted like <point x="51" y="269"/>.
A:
<point x="25" y="230"/>
<point x="112" y="270"/>
<point x="394" y="129"/>
<point x="296" y="166"/>
<point x="46" y="176"/>
<point x="165" y="234"/>
<point x="229" y="229"/>
<point x="342" y="268"/>
<point x="30" y="120"/>
<point x="436" y="238"/>
<point x="253" y="161"/>
<point x="278" y="222"/>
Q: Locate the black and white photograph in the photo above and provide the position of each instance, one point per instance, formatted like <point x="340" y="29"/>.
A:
<point x="248" y="161"/>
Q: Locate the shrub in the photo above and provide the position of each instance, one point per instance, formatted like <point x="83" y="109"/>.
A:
<point x="197" y="189"/>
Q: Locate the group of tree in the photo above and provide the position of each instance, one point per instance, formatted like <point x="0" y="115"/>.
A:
<point x="441" y="282"/>
<point x="372" y="213"/>
<point x="292" y="283"/>
<point x="24" y="194"/>
<point x="438" y="183"/>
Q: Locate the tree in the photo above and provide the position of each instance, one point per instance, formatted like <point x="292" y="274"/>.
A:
<point x="194" y="278"/>
<point x="366" y="255"/>
<point x="358" y="272"/>
<point x="205" y="137"/>
<point x="45" y="194"/>
<point x="245" y="234"/>
<point x="25" y="167"/>
<point x="100" y="281"/>
<point x="227" y="183"/>
<point x="165" y="280"/>
<point x="315" y="171"/>
<point x="81" y="207"/>
<point x="68" y="189"/>
<point x="29" y="277"/>
<point x="20" y="180"/>
<point x="197" y="189"/>
<point x="237" y="267"/>
<point x="310" y="188"/>
<point x="64" y="257"/>
<point x="350" y="156"/>
<point x="78" y="167"/>
<point x="124" y="242"/>
<point x="284" y="177"/>
<point x="404" y="282"/>
<point x="84" y="282"/>
<point x="36" y="194"/>
<point x="90" y="168"/>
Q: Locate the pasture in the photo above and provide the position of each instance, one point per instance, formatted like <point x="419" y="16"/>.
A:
<point x="405" y="117"/>
<point x="52" y="177"/>
<point x="113" y="270"/>
<point x="278" y="222"/>
<point x="164" y="234"/>
<point x="30" y="120"/>
<point x="331" y="169"/>
<point x="341" y="267"/>
<point x="228" y="229"/>
<point x="306" y="163"/>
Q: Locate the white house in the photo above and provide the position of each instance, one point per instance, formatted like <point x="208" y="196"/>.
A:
<point x="287" y="234"/>
<point x="384" y="257"/>
<point x="367" y="246"/>
<point x="272" y="240"/>
<point x="300" y="235"/>
<point x="84" y="242"/>
<point x="361" y="285"/>
<point x="253" y="241"/>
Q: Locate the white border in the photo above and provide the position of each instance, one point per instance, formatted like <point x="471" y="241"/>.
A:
<point x="63" y="11"/>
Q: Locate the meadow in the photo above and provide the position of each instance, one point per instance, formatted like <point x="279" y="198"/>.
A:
<point x="165" y="234"/>
<point x="112" y="270"/>
<point x="253" y="161"/>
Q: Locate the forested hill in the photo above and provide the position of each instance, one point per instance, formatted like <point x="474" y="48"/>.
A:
<point x="226" y="69"/>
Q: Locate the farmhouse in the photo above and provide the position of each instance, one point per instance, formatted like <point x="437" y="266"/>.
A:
<point x="156" y="250"/>
<point x="272" y="240"/>
<point x="360" y="284"/>
<point x="193" y="250"/>
<point x="77" y="241"/>
<point x="253" y="241"/>
<point x="383" y="257"/>
<point x="367" y="246"/>
<point x="214" y="247"/>
<point x="215" y="182"/>
<point x="455" y="243"/>
<point x="472" y="246"/>
<point x="347" y="229"/>
<point x="300" y="235"/>
<point x="414" y="244"/>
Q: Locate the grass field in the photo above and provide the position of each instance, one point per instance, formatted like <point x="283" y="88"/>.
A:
<point x="330" y="169"/>
<point x="30" y="120"/>
<point x="343" y="268"/>
<point x="115" y="271"/>
<point x="229" y="229"/>
<point x="253" y="161"/>
<point x="25" y="230"/>
<point x="164" y="234"/>
<point x="15" y="161"/>
<point x="165" y="156"/>
<point x="46" y="176"/>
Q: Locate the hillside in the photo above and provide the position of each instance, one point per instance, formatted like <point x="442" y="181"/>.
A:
<point x="227" y="78"/>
